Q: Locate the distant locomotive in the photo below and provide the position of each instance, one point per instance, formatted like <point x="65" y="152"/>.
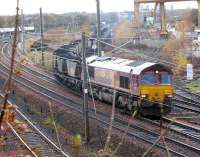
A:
<point x="139" y="84"/>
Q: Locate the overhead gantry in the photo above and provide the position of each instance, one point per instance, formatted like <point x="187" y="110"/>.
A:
<point x="163" y="30"/>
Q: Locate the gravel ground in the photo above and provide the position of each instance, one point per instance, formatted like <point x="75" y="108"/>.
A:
<point x="39" y="104"/>
<point x="12" y="147"/>
<point x="71" y="123"/>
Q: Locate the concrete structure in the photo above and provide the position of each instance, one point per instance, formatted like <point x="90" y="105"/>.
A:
<point x="11" y="30"/>
<point x="126" y="15"/>
<point x="162" y="12"/>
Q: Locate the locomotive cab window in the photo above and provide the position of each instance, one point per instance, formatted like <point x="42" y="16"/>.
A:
<point x="165" y="78"/>
<point x="149" y="79"/>
<point x="124" y="82"/>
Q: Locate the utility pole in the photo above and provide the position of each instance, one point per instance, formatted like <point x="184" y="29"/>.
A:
<point x="85" y="91"/>
<point x="12" y="63"/>
<point x="23" y="37"/>
<point x="42" y="35"/>
<point x="98" y="29"/>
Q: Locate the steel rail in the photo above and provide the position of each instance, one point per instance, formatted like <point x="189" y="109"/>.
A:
<point x="188" y="100"/>
<point x="37" y="130"/>
<point x="174" y="130"/>
<point x="40" y="133"/>
<point x="53" y="79"/>
<point x="189" y="92"/>
<point x="31" y="71"/>
<point x="23" y="142"/>
<point x="185" y="105"/>
<point x="62" y="102"/>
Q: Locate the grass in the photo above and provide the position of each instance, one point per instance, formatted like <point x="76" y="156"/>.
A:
<point x="57" y="36"/>
<point x="38" y="113"/>
<point x="194" y="86"/>
<point x="37" y="59"/>
<point x="47" y="59"/>
<point x="48" y="121"/>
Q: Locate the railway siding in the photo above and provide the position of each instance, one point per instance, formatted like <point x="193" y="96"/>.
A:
<point x="59" y="98"/>
<point x="33" y="139"/>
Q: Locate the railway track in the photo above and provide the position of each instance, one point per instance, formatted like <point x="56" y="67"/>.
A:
<point x="136" y="132"/>
<point x="182" y="102"/>
<point x="185" y="129"/>
<point x="35" y="141"/>
<point x="187" y="95"/>
<point x="190" y="94"/>
<point x="179" y="128"/>
<point x="28" y="70"/>
<point x="186" y="100"/>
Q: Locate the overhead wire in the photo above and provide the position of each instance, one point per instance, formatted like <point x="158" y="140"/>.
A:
<point x="129" y="51"/>
<point x="119" y="47"/>
<point x="171" y="64"/>
<point x="90" y="87"/>
<point x="141" y="55"/>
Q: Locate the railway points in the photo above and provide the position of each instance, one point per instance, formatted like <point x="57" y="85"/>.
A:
<point x="35" y="141"/>
<point x="134" y="72"/>
<point x="61" y="99"/>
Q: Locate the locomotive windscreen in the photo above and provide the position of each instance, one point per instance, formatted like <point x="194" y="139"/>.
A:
<point x="156" y="78"/>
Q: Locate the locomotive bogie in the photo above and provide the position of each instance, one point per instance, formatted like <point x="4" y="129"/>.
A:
<point x="127" y="77"/>
<point x="106" y="94"/>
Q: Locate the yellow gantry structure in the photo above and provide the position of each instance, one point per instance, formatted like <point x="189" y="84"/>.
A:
<point x="162" y="12"/>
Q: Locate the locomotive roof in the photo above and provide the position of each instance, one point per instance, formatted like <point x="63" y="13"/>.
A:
<point x="66" y="54"/>
<point x="119" y="64"/>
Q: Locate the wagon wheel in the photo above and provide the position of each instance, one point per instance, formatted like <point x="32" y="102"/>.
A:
<point x="121" y="101"/>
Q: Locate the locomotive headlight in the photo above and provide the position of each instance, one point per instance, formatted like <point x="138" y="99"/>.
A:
<point x="143" y="95"/>
<point x="169" y="96"/>
<point x="157" y="72"/>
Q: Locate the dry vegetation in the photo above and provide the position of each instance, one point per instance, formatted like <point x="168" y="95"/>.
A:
<point x="123" y="30"/>
<point x="174" y="47"/>
<point x="54" y="38"/>
<point x="60" y="36"/>
<point x="187" y="24"/>
<point x="48" y="55"/>
<point x="86" y="27"/>
<point x="70" y="126"/>
<point x="172" y="53"/>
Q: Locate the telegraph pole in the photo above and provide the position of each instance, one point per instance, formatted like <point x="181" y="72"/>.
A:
<point x="42" y="35"/>
<point x="12" y="63"/>
<point x="23" y="37"/>
<point x="98" y="29"/>
<point x="85" y="91"/>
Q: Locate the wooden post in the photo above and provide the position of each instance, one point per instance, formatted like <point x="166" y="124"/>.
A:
<point x="136" y="15"/>
<point x="198" y="2"/>
<point x="98" y="29"/>
<point x="85" y="91"/>
<point x="23" y="36"/>
<point x="14" y="46"/>
<point x="42" y="35"/>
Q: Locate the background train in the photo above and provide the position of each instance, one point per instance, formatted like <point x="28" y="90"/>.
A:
<point x="139" y="84"/>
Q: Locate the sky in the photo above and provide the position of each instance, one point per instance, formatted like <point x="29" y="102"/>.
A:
<point x="63" y="6"/>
